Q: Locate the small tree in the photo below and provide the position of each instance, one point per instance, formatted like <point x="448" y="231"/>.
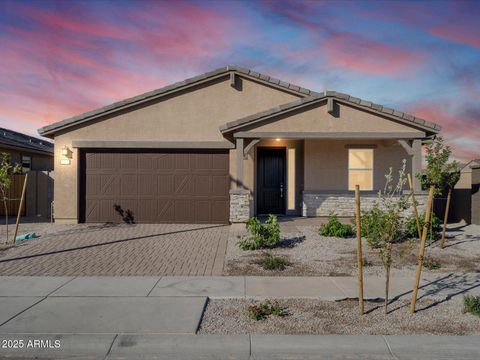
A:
<point x="387" y="215"/>
<point x="6" y="170"/>
<point x="440" y="172"/>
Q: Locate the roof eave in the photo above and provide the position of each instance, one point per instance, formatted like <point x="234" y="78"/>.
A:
<point x="50" y="130"/>
<point x="407" y="119"/>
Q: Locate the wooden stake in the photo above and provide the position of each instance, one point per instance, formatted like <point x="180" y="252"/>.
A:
<point x="445" y="219"/>
<point x="20" y="208"/>
<point x="359" y="251"/>
<point x="421" y="251"/>
<point x="415" y="210"/>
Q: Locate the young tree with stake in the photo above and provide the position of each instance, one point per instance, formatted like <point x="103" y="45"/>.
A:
<point x="440" y="173"/>
<point x="387" y="214"/>
<point x="6" y="170"/>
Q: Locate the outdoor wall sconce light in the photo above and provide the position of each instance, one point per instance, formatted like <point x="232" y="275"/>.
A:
<point x="66" y="156"/>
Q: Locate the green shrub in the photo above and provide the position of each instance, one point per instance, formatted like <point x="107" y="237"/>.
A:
<point x="433" y="231"/>
<point x="264" y="309"/>
<point x="270" y="262"/>
<point x="335" y="228"/>
<point x="431" y="264"/>
<point x="471" y="304"/>
<point x="366" y="262"/>
<point x="372" y="225"/>
<point x="261" y="235"/>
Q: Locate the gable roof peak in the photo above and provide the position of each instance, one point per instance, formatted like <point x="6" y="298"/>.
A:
<point x="50" y="129"/>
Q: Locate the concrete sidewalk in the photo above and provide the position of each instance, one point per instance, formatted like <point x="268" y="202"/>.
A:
<point x="244" y="347"/>
<point x="443" y="285"/>
<point x="158" y="317"/>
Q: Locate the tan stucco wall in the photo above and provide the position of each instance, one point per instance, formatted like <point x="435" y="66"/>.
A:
<point x="317" y="119"/>
<point x="465" y="181"/>
<point x="192" y="116"/>
<point x="326" y="163"/>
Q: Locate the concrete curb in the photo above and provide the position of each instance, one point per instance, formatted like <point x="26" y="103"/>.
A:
<point x="243" y="347"/>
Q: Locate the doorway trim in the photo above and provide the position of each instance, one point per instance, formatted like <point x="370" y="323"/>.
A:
<point x="258" y="180"/>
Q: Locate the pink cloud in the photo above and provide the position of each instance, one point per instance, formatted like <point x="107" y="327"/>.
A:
<point x="69" y="62"/>
<point x="458" y="32"/>
<point x="355" y="52"/>
<point x="461" y="130"/>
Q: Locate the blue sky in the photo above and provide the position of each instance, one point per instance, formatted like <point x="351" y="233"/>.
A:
<point x="62" y="58"/>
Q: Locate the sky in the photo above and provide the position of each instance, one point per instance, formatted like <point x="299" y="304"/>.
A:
<point x="62" y="58"/>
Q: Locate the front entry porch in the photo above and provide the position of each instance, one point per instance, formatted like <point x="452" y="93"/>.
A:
<point x="313" y="177"/>
<point x="323" y="147"/>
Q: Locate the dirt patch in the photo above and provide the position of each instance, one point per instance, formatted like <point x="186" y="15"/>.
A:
<point x="313" y="255"/>
<point x="307" y="316"/>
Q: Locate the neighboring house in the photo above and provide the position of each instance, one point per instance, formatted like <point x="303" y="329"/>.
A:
<point x="465" y="181"/>
<point x="461" y="207"/>
<point x="226" y="145"/>
<point x="35" y="156"/>
<point x="29" y="152"/>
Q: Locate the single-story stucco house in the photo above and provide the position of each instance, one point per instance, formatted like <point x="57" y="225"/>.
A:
<point x="226" y="145"/>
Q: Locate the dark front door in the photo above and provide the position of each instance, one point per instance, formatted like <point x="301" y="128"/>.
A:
<point x="271" y="181"/>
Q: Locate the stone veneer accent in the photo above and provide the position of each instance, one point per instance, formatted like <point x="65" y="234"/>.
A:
<point x="343" y="204"/>
<point x="239" y="206"/>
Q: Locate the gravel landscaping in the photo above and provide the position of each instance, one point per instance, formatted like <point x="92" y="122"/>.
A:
<point x="307" y="316"/>
<point x="313" y="255"/>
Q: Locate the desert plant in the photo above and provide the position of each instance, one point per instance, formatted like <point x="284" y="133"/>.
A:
<point x="431" y="264"/>
<point x="6" y="170"/>
<point x="260" y="235"/>
<point x="471" y="304"/>
<point x="441" y="173"/>
<point x="335" y="228"/>
<point x="270" y="262"/>
<point x="387" y="212"/>
<point x="433" y="232"/>
<point x="264" y="309"/>
<point x="366" y="262"/>
<point x="372" y="223"/>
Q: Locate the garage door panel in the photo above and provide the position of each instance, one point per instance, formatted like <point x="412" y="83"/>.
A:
<point x="182" y="161"/>
<point x="165" y="211"/>
<point x="183" y="184"/>
<point x="220" y="185"/>
<point x="202" y="161"/>
<point x="184" y="210"/>
<point x="156" y="187"/>
<point x="165" y="162"/>
<point x="203" y="211"/>
<point x="165" y="184"/>
<point x="128" y="184"/>
<point x="147" y="184"/>
<point x="220" y="162"/>
<point x="220" y="210"/>
<point x="129" y="161"/>
<point x="203" y="184"/>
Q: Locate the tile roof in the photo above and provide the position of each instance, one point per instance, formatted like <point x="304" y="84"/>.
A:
<point x="13" y="139"/>
<point x="308" y="96"/>
<point x="360" y="103"/>
<point x="172" y="88"/>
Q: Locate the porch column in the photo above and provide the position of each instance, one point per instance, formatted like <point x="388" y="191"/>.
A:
<point x="416" y="164"/>
<point x="240" y="164"/>
<point x="240" y="197"/>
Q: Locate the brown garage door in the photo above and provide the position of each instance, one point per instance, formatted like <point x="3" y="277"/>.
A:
<point x="155" y="187"/>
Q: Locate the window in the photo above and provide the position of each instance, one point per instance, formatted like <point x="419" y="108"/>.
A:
<point x="26" y="164"/>
<point x="360" y="169"/>
<point x="291" y="178"/>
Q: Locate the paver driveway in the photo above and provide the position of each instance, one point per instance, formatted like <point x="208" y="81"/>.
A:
<point x="160" y="249"/>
